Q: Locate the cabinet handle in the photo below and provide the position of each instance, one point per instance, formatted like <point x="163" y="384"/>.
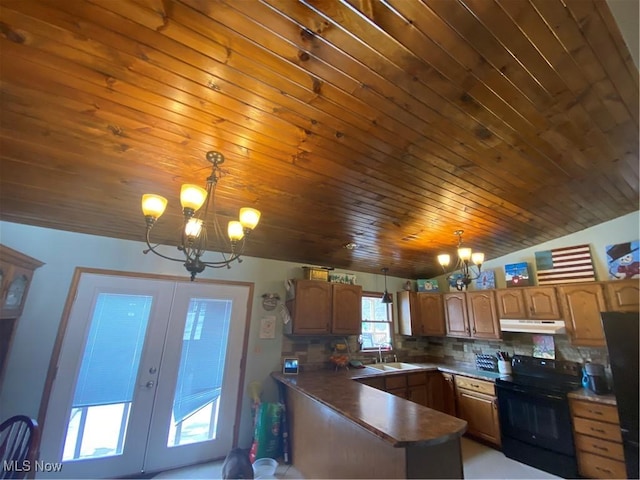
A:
<point x="604" y="469"/>
<point x="474" y="330"/>
<point x="595" y="412"/>
<point x="598" y="447"/>
<point x="599" y="430"/>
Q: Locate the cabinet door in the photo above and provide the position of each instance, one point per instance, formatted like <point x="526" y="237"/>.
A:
<point x="510" y="303"/>
<point x="408" y="321"/>
<point x="623" y="296"/>
<point x="346" y="309"/>
<point x="455" y="314"/>
<point x="449" y="395"/>
<point x="418" y="394"/>
<point x="481" y="413"/>
<point x="483" y="319"/>
<point x="435" y="391"/>
<point x="582" y="305"/>
<point x="541" y="303"/>
<point x="312" y="307"/>
<point x="431" y="314"/>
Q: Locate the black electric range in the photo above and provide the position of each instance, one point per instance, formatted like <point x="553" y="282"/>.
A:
<point x="535" y="421"/>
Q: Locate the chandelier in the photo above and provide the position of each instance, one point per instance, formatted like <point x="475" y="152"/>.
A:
<point x="193" y="241"/>
<point x="465" y="260"/>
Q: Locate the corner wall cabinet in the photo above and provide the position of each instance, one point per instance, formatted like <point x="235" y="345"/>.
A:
<point x="16" y="272"/>
<point x="318" y="307"/>
<point x="420" y="314"/>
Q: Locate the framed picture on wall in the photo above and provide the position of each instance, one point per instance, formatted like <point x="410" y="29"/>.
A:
<point x="486" y="280"/>
<point x="623" y="260"/>
<point x="517" y="274"/>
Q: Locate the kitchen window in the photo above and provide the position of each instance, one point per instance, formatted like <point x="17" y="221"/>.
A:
<point x="377" y="322"/>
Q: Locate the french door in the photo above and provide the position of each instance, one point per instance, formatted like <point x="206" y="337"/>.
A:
<point x="148" y="376"/>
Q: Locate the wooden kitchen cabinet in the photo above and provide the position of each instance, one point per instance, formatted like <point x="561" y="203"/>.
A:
<point x="482" y="315"/>
<point x="319" y="307"/>
<point x="623" y="295"/>
<point x="455" y="314"/>
<point x="478" y="405"/>
<point x="534" y="303"/>
<point x="581" y="305"/>
<point x="346" y="312"/>
<point x="420" y="314"/>
<point x="16" y="273"/>
<point x="471" y="314"/>
<point x="449" y="395"/>
<point x="417" y="388"/>
<point x="598" y="440"/>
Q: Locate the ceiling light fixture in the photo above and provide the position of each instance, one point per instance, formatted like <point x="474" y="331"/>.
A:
<point x="465" y="256"/>
<point x="193" y="242"/>
<point x="386" y="298"/>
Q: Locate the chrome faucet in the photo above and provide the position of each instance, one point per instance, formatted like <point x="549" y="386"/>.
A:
<point x="380" y="353"/>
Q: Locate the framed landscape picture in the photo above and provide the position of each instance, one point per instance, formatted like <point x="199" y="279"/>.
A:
<point x="517" y="274"/>
<point x="427" y="285"/>
<point x="486" y="280"/>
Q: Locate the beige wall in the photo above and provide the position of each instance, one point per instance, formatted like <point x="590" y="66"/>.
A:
<point x="62" y="252"/>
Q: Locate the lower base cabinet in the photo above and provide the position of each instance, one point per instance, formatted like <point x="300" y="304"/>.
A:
<point x="598" y="441"/>
<point x="478" y="405"/>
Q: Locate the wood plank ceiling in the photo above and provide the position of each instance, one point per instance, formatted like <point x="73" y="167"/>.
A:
<point x="388" y="123"/>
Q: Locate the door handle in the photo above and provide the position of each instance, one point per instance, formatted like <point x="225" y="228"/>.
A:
<point x="153" y="370"/>
<point x="150" y="384"/>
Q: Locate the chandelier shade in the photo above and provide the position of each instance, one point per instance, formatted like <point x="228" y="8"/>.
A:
<point x="467" y="259"/>
<point x="199" y="212"/>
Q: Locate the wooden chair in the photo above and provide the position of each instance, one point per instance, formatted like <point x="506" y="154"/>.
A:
<point x="19" y="444"/>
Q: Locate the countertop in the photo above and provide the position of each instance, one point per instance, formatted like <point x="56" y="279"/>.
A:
<point x="589" y="396"/>
<point x="400" y="422"/>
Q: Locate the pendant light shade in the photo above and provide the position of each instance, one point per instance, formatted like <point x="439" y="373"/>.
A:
<point x="386" y="298"/>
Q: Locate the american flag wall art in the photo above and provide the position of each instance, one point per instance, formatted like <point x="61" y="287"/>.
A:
<point x="565" y="265"/>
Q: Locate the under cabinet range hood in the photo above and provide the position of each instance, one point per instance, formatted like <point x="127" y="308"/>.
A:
<point x="549" y="327"/>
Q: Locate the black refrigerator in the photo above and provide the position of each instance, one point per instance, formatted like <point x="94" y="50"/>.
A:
<point x="622" y="333"/>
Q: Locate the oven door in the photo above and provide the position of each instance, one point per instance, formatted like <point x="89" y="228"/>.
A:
<point x="537" y="418"/>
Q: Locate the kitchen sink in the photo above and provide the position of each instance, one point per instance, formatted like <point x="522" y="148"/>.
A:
<point x="393" y="366"/>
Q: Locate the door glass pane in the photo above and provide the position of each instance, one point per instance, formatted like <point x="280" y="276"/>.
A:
<point x="106" y="382"/>
<point x="201" y="371"/>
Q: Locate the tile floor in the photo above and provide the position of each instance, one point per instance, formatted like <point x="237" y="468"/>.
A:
<point x="480" y="461"/>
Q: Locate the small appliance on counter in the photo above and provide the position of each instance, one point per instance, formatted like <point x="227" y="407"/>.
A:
<point x="595" y="379"/>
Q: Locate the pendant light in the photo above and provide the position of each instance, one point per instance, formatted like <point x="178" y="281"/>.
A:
<point x="386" y="298"/>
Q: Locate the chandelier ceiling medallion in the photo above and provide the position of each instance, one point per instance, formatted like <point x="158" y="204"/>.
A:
<point x="193" y="242"/>
<point x="466" y="260"/>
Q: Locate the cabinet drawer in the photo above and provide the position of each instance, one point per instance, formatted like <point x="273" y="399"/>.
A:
<point x="414" y="379"/>
<point x="598" y="446"/>
<point x="395" y="381"/>
<point x="475" y="385"/>
<point x="595" y="411"/>
<point x="606" y="431"/>
<point x="595" y="466"/>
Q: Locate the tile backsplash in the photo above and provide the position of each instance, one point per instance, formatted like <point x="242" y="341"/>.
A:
<point x="314" y="352"/>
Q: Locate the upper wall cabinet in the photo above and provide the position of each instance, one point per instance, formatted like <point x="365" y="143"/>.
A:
<point x="319" y="307"/>
<point x="420" y="314"/>
<point x="471" y="314"/>
<point x="581" y="305"/>
<point x="623" y="295"/>
<point x="535" y="303"/>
